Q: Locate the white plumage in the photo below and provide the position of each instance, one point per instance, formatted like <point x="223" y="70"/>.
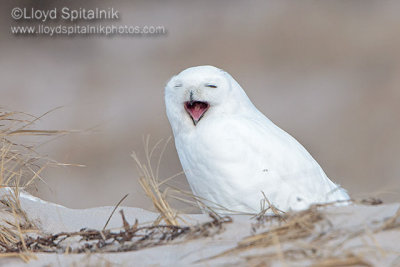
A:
<point x="231" y="153"/>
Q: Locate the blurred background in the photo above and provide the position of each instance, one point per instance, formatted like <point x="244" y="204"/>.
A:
<point x="327" y="72"/>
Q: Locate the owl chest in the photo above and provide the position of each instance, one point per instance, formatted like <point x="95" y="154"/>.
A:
<point x="219" y="160"/>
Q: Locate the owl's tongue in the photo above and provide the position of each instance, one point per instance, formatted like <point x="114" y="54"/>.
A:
<point x="196" y="110"/>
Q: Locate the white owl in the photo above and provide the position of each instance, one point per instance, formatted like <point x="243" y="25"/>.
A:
<point x="232" y="154"/>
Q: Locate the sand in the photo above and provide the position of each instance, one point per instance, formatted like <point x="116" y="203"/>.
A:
<point x="360" y="235"/>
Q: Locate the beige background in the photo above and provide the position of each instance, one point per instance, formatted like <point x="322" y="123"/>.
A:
<point x="325" y="71"/>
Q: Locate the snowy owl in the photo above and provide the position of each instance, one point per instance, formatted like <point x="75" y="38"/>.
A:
<point x="233" y="155"/>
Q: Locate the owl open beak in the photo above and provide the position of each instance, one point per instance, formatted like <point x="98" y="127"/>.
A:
<point x="196" y="110"/>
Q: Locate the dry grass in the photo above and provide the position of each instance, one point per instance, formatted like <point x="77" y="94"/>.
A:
<point x="14" y="227"/>
<point x="130" y="237"/>
<point x="290" y="227"/>
<point x="20" y="166"/>
<point x="309" y="236"/>
<point x="151" y="184"/>
<point x="346" y="260"/>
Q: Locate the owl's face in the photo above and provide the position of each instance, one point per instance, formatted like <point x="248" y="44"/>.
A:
<point x="195" y="94"/>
